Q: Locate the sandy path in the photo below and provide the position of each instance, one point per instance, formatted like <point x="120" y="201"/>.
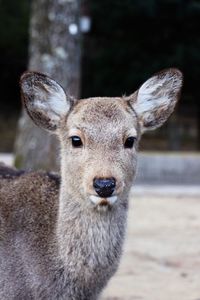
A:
<point x="161" y="259"/>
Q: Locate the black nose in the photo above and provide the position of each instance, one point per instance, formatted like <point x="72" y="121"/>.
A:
<point x="104" y="186"/>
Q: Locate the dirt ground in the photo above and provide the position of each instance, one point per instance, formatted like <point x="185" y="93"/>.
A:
<point x="161" y="259"/>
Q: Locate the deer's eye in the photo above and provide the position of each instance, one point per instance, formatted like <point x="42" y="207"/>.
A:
<point x="129" y="142"/>
<point x="76" y="141"/>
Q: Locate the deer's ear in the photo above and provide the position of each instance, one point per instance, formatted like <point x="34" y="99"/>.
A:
<point x="44" y="100"/>
<point x="156" y="98"/>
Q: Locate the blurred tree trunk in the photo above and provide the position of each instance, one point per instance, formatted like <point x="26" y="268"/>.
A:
<point x="54" y="50"/>
<point x="198" y="129"/>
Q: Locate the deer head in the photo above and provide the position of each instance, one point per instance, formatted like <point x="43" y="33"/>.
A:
<point x="99" y="136"/>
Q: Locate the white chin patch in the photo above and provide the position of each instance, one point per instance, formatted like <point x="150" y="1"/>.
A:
<point x="102" y="201"/>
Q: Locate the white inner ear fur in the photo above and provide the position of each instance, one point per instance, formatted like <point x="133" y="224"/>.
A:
<point x="159" y="92"/>
<point x="52" y="101"/>
<point x="156" y="89"/>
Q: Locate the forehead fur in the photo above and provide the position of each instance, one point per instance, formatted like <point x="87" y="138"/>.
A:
<point x="103" y="112"/>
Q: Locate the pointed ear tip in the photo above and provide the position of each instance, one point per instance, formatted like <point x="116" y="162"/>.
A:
<point x="26" y="74"/>
<point x="30" y="74"/>
<point x="23" y="80"/>
<point x="179" y="76"/>
<point x="177" y="72"/>
<point x="23" y="76"/>
<point x="172" y="71"/>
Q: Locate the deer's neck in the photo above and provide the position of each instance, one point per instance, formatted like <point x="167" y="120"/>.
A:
<point x="89" y="239"/>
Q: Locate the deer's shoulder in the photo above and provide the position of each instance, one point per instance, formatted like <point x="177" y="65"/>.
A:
<point x="27" y="197"/>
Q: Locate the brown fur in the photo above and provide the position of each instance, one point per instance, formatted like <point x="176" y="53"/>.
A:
<point x="58" y="238"/>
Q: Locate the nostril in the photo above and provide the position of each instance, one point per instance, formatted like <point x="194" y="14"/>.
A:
<point x="104" y="187"/>
<point x="104" y="182"/>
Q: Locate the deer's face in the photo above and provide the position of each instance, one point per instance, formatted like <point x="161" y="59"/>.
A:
<point x="99" y="136"/>
<point x="99" y="141"/>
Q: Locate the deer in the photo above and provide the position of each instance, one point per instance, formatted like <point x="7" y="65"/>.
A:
<point x="62" y="236"/>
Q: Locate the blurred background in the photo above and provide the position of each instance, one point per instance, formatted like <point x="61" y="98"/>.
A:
<point x="109" y="48"/>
